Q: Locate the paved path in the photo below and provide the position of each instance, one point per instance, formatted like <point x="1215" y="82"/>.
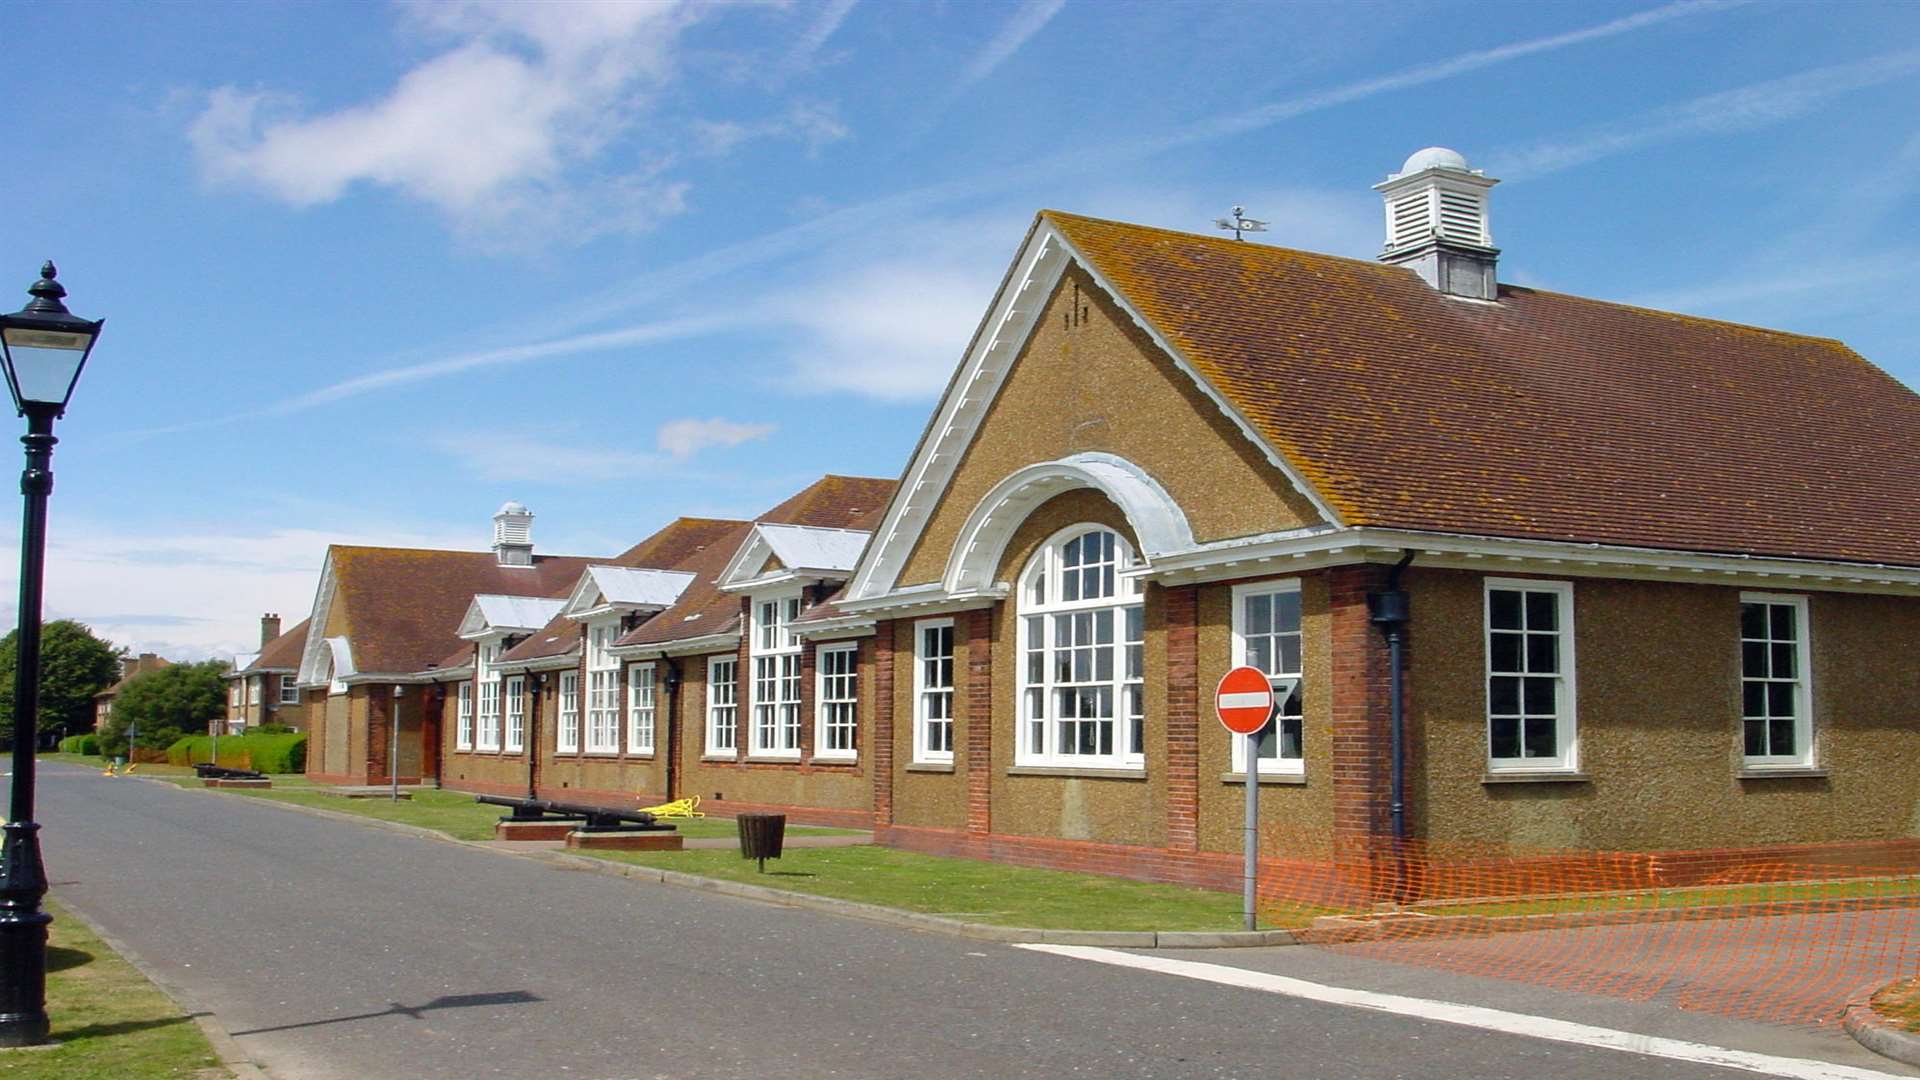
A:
<point x="335" y="950"/>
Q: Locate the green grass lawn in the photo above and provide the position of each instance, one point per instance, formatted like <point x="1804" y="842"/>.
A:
<point x="111" y="1023"/>
<point x="965" y="888"/>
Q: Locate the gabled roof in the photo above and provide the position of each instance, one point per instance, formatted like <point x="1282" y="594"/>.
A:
<point x="625" y="588"/>
<point x="492" y="613"/>
<point x="139" y="666"/>
<point x="1541" y="416"/>
<point x="832" y="502"/>
<point x="283" y="652"/>
<point x="683" y="543"/>
<point x="401" y="608"/>
<point x="801" y="552"/>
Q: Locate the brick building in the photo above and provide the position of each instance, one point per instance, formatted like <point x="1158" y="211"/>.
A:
<point x="264" y="687"/>
<point x="1654" y="581"/>
<point x="129" y="667"/>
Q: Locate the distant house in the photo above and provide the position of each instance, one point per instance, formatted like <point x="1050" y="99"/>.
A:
<point x="383" y="620"/>
<point x="264" y="687"/>
<point x="129" y="667"/>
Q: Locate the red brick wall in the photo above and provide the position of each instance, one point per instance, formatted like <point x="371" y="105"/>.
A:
<point x="1181" y="608"/>
<point x="879" y="730"/>
<point x="977" y="626"/>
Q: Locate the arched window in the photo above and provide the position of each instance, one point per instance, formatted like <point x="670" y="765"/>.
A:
<point x="1082" y="635"/>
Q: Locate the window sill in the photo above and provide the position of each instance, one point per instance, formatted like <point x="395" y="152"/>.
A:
<point x="603" y="753"/>
<point x="930" y="766"/>
<point x="1265" y="778"/>
<point x="1139" y="773"/>
<point x="720" y="757"/>
<point x="825" y="759"/>
<point x="1537" y="776"/>
<point x="1782" y="772"/>
<point x="645" y="755"/>
<point x="774" y="759"/>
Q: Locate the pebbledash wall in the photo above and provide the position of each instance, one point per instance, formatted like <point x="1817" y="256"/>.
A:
<point x="1656" y="694"/>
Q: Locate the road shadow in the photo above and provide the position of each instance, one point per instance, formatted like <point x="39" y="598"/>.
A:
<point x="416" y="1012"/>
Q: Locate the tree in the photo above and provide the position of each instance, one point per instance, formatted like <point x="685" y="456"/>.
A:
<point x="74" y="666"/>
<point x="165" y="704"/>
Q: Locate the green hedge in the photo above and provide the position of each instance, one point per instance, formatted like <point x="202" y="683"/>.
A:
<point x="263" y="753"/>
<point x="81" y="744"/>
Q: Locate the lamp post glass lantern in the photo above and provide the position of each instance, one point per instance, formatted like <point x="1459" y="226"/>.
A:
<point x="43" y="346"/>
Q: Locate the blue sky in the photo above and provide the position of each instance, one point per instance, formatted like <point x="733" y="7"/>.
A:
<point x="371" y="270"/>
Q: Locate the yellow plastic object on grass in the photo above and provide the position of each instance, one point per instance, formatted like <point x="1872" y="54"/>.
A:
<point x="688" y="807"/>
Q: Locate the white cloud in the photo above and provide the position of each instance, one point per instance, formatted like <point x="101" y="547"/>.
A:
<point x="683" y="438"/>
<point x="811" y="123"/>
<point x="807" y="46"/>
<point x="1745" y="108"/>
<point x="490" y="131"/>
<point x="199" y="591"/>
<point x="510" y="456"/>
<point x="1030" y="19"/>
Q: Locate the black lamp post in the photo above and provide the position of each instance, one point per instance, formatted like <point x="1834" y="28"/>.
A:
<point x="43" y="347"/>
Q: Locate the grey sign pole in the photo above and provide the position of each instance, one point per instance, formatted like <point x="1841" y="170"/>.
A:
<point x="1251" y="875"/>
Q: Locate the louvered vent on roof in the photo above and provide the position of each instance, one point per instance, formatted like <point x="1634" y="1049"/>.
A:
<point x="1412" y="218"/>
<point x="1436" y="209"/>
<point x="1462" y="217"/>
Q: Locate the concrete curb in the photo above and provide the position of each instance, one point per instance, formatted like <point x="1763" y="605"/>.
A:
<point x="232" y="1057"/>
<point x="1872" y="1031"/>
<point x="1012" y="935"/>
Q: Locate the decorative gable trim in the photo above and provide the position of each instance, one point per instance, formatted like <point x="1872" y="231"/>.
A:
<point x="315" y="655"/>
<point x="1009" y="324"/>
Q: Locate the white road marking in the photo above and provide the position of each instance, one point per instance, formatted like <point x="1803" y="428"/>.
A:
<point x="1474" y="1016"/>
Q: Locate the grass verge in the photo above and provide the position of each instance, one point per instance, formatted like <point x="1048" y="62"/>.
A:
<point x="451" y="812"/>
<point x="111" y="1023"/>
<point x="967" y="889"/>
<point x="1899" y="1004"/>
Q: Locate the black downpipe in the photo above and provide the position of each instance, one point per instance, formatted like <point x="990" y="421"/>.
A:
<point x="668" y="742"/>
<point x="1389" y="610"/>
<point x="535" y="684"/>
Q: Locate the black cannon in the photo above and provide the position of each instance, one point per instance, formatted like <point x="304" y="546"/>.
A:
<point x="209" y="771"/>
<point x="592" y="818"/>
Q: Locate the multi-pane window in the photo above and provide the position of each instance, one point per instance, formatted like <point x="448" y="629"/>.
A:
<point x="837" y="673"/>
<point x="1776" y="717"/>
<point x="603" y="690"/>
<point x="1082" y="639"/>
<point x="463" y="713"/>
<point x="289" y="690"/>
<point x="233" y="693"/>
<point x="933" y="691"/>
<point x="776" y="678"/>
<point x="489" y="680"/>
<point x="1266" y="635"/>
<point x="1530" y="708"/>
<point x="566" y="736"/>
<point x="516" y="714"/>
<point x="723" y="710"/>
<point x="640" y="708"/>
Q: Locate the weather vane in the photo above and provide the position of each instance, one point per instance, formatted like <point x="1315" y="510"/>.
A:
<point x="1240" y="223"/>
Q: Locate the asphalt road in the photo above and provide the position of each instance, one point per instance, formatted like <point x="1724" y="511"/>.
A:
<point x="330" y="949"/>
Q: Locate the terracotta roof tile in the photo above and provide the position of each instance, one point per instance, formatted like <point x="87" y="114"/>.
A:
<point x="283" y="652"/>
<point x="1543" y="416"/>
<point x="402" y="606"/>
<point x="832" y="502"/>
<point x="684" y="540"/>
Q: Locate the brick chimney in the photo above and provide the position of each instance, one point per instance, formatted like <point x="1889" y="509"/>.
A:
<point x="269" y="628"/>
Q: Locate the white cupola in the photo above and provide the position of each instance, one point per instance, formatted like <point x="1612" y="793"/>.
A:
<point x="1436" y="215"/>
<point x="513" y="535"/>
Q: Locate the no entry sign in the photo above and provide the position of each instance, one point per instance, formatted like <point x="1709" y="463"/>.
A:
<point x="1244" y="700"/>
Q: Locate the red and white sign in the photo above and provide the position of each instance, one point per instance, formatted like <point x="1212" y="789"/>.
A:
<point x="1244" y="700"/>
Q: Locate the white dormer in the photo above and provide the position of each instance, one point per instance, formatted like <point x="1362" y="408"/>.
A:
<point x="1437" y="223"/>
<point x="793" y="554"/>
<point x="492" y="617"/>
<point x="622" y="590"/>
<point x="513" y="535"/>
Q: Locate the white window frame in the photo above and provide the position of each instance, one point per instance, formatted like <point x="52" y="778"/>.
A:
<point x="642" y="708"/>
<point x="1803" y="729"/>
<point x="487" y="739"/>
<point x="774" y="655"/>
<point x="566" y="735"/>
<point x="1566" y="710"/>
<point x="1040" y="597"/>
<point x="1277" y="765"/>
<point x="925" y="692"/>
<point x="723" y="709"/>
<point x="515" y="690"/>
<point x="289" y="690"/>
<point x="603" y="688"/>
<point x="836" y="701"/>
<point x="463" y="716"/>
<point x="255" y="692"/>
<point x="234" y="691"/>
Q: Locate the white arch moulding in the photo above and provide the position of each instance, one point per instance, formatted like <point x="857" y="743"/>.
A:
<point x="1158" y="522"/>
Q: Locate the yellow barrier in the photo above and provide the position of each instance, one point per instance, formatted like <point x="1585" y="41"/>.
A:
<point x="679" y="808"/>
